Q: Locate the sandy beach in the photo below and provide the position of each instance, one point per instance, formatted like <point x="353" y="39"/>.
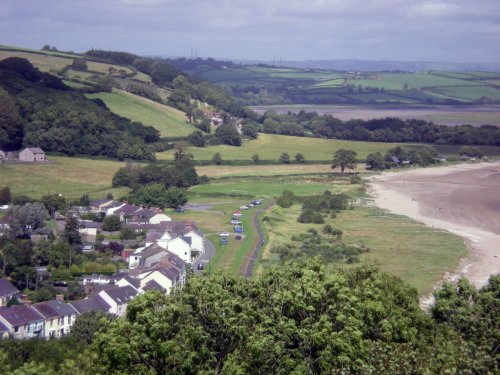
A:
<point x="463" y="199"/>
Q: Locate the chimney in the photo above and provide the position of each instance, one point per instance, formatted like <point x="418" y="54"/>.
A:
<point x="60" y="297"/>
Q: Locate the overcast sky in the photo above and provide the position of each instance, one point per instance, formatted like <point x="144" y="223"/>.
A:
<point x="404" y="30"/>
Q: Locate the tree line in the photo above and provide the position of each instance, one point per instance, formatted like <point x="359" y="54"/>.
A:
<point x="377" y="130"/>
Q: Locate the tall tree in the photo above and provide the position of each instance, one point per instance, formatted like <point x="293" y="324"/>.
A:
<point x="344" y="159"/>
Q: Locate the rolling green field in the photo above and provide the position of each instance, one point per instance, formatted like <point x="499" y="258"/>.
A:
<point x="71" y="177"/>
<point x="169" y="121"/>
<point x="270" y="147"/>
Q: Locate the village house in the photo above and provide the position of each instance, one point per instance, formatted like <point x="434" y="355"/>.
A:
<point x="151" y="216"/>
<point x="59" y="317"/>
<point x="99" y="205"/>
<point x="91" y="303"/>
<point x="89" y="228"/>
<point x="118" y="298"/>
<point x="146" y="256"/>
<point x="32" y="155"/>
<point x="23" y="322"/>
<point x="7" y="292"/>
<point x="3" y="157"/>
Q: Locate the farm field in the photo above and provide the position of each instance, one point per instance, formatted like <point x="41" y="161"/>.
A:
<point x="270" y="147"/>
<point x="446" y="115"/>
<point x="217" y="171"/>
<point x="71" y="177"/>
<point x="169" y="121"/>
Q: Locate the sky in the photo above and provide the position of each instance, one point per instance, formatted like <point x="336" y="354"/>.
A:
<point x="400" y="30"/>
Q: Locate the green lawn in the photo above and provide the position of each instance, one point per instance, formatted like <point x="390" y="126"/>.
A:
<point x="169" y="121"/>
<point x="71" y="177"/>
<point x="418" y="254"/>
<point x="270" y="147"/>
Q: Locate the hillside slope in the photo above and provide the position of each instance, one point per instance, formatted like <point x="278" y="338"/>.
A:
<point x="170" y="122"/>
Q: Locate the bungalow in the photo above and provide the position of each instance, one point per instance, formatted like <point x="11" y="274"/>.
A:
<point x="22" y="321"/>
<point x="59" y="317"/>
<point x="88" y="227"/>
<point x="32" y="155"/>
<point x="118" y="298"/>
<point x="7" y="292"/>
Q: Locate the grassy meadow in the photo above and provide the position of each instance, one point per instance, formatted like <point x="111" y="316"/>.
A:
<point x="169" y="121"/>
<point x="270" y="147"/>
<point x="71" y="177"/>
<point x="418" y="254"/>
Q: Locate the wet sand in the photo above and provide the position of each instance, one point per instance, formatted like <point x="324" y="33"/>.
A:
<point x="463" y="199"/>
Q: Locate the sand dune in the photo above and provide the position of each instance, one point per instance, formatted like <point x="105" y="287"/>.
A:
<point x="463" y="199"/>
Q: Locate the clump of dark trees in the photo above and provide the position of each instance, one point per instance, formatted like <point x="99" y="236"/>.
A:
<point x="157" y="185"/>
<point x="38" y="110"/>
<point x="377" y="130"/>
<point x="298" y="318"/>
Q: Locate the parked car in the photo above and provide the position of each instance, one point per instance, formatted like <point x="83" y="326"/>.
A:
<point x="224" y="234"/>
<point x="238" y="237"/>
<point x="179" y="209"/>
<point x="251" y="205"/>
<point x="200" y="266"/>
<point x="244" y="208"/>
<point x="239" y="229"/>
<point x="235" y="222"/>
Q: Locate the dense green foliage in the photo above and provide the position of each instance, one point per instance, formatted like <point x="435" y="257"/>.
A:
<point x="377" y="130"/>
<point x="293" y="319"/>
<point x="157" y="195"/>
<point x="39" y="110"/>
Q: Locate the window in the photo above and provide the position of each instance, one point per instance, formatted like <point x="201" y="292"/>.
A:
<point x="16" y="329"/>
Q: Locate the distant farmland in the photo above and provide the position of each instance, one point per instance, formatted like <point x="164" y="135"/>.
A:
<point x="328" y="87"/>
<point x="445" y="115"/>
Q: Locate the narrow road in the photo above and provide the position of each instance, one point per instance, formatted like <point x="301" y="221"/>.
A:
<point x="205" y="257"/>
<point x="247" y="267"/>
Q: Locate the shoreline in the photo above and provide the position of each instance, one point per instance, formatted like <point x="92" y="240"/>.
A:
<point x="418" y="193"/>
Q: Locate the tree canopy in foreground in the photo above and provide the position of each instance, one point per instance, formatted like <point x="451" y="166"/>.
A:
<point x="295" y="319"/>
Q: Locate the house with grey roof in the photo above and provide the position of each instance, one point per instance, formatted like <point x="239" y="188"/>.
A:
<point x="59" y="317"/>
<point x="91" y="303"/>
<point x="145" y="257"/>
<point x="23" y="322"/>
<point x="118" y="298"/>
<point x="7" y="292"/>
<point x="100" y="204"/>
<point x="32" y="155"/>
<point x="88" y="227"/>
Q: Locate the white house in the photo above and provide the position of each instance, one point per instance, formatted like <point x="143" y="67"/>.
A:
<point x="59" y="317"/>
<point x="180" y="246"/>
<point x="32" y="154"/>
<point x="118" y="298"/>
<point x="151" y="216"/>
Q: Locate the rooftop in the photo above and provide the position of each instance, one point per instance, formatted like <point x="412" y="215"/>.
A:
<point x="6" y="288"/>
<point x="121" y="294"/>
<point x="91" y="303"/>
<point x="52" y="309"/>
<point x="20" y="315"/>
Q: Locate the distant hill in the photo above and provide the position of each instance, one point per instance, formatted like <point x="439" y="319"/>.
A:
<point x="38" y="109"/>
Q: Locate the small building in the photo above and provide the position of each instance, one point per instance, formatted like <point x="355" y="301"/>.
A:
<point x="3" y="157"/>
<point x="32" y="155"/>
<point x="7" y="292"/>
<point x="151" y="216"/>
<point x="23" y="322"/>
<point x="59" y="317"/>
<point x="118" y="298"/>
<point x="99" y="205"/>
<point x="89" y="228"/>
